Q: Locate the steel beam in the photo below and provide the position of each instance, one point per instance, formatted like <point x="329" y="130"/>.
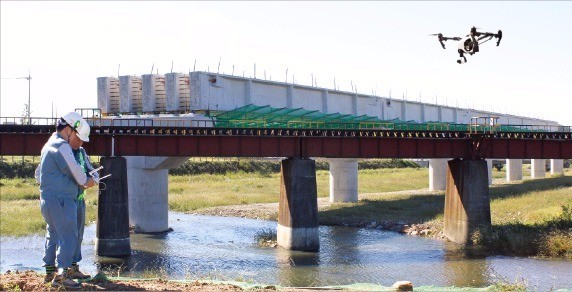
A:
<point x="213" y="142"/>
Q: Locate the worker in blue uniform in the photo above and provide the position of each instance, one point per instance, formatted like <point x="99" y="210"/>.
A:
<point x="60" y="177"/>
<point x="83" y="160"/>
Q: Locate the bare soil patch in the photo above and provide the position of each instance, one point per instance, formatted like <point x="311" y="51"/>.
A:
<point x="33" y="281"/>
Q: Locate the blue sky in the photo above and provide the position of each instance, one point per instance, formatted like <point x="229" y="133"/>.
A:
<point x="380" y="47"/>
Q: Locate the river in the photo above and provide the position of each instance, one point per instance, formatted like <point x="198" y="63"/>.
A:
<point x="224" y="248"/>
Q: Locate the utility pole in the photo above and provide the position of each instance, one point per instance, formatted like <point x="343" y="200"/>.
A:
<point x="29" y="78"/>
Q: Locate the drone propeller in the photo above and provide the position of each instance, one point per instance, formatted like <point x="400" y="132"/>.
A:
<point x="499" y="37"/>
<point x="440" y="38"/>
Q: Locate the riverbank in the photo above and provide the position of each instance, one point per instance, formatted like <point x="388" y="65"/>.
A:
<point x="269" y="211"/>
<point x="529" y="217"/>
<point x="33" y="281"/>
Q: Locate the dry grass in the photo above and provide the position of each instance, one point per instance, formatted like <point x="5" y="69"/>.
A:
<point x="188" y="193"/>
<point x="532" y="201"/>
<point x="20" y="207"/>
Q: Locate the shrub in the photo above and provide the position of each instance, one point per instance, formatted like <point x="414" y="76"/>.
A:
<point x="23" y="169"/>
<point x="551" y="238"/>
<point x="267" y="166"/>
<point x="26" y="169"/>
<point x="266" y="237"/>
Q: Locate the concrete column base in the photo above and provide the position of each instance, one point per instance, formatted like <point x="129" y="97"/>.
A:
<point x="437" y="174"/>
<point x="149" y="199"/>
<point x="538" y="168"/>
<point x="112" y="232"/>
<point x="556" y="166"/>
<point x="298" y="206"/>
<point x="148" y="192"/>
<point x="295" y="238"/>
<point x="343" y="180"/>
<point x="513" y="169"/>
<point x="112" y="247"/>
<point x="467" y="204"/>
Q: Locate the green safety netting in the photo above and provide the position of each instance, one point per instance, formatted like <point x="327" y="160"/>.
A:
<point x="255" y="116"/>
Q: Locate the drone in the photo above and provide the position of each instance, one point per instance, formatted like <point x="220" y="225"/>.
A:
<point x="470" y="43"/>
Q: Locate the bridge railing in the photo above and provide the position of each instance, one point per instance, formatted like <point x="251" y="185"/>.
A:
<point x="105" y="122"/>
<point x="188" y="123"/>
<point x="27" y="121"/>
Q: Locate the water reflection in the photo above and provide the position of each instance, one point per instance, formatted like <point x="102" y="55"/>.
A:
<point x="462" y="266"/>
<point x="297" y="268"/>
<point x="225" y="249"/>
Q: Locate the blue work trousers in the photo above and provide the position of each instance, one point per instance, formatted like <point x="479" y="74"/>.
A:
<point x="80" y="228"/>
<point x="61" y="231"/>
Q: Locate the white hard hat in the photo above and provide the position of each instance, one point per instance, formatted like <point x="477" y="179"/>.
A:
<point x="77" y="123"/>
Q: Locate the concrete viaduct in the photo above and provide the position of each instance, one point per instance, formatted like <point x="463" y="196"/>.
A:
<point x="129" y="103"/>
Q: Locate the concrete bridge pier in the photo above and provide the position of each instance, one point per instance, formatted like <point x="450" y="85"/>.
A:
<point x="437" y="174"/>
<point x="556" y="166"/>
<point x="148" y="179"/>
<point x="513" y="169"/>
<point x="537" y="168"/>
<point x="298" y="206"/>
<point x="343" y="180"/>
<point x="467" y="204"/>
<point x="490" y="170"/>
<point x="112" y="232"/>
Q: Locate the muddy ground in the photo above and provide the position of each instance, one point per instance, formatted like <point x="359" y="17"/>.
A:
<point x="33" y="281"/>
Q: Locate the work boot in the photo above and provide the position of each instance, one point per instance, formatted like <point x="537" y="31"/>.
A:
<point x="75" y="273"/>
<point x="51" y="272"/>
<point x="63" y="281"/>
<point x="49" y="277"/>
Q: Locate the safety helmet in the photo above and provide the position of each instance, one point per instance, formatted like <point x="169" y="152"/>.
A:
<point x="76" y="122"/>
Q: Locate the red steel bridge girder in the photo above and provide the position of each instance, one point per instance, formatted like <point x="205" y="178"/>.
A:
<point x="300" y="146"/>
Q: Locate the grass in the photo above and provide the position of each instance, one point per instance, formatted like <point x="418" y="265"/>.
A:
<point x="399" y="207"/>
<point x="189" y="193"/>
<point x="20" y="207"/>
<point x="266" y="237"/>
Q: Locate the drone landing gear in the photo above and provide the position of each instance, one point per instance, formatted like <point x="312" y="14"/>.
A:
<point x="462" y="59"/>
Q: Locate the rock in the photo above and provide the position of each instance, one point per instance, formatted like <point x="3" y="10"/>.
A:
<point x="403" y="286"/>
<point x="397" y="228"/>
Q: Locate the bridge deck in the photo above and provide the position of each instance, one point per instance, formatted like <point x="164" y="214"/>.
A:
<point x="232" y="142"/>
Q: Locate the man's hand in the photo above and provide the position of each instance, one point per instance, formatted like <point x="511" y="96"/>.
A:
<point x="90" y="183"/>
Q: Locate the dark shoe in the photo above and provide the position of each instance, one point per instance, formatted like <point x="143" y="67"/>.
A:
<point x="49" y="277"/>
<point x="74" y="273"/>
<point x="62" y="281"/>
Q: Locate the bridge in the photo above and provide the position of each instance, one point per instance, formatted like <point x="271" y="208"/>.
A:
<point x="183" y="140"/>
<point x="142" y="131"/>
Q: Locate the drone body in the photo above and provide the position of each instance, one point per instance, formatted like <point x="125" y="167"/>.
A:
<point x="470" y="43"/>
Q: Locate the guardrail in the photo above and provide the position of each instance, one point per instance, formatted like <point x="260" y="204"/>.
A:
<point x="242" y="124"/>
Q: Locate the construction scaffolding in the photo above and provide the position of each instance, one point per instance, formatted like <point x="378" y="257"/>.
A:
<point x="254" y="116"/>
